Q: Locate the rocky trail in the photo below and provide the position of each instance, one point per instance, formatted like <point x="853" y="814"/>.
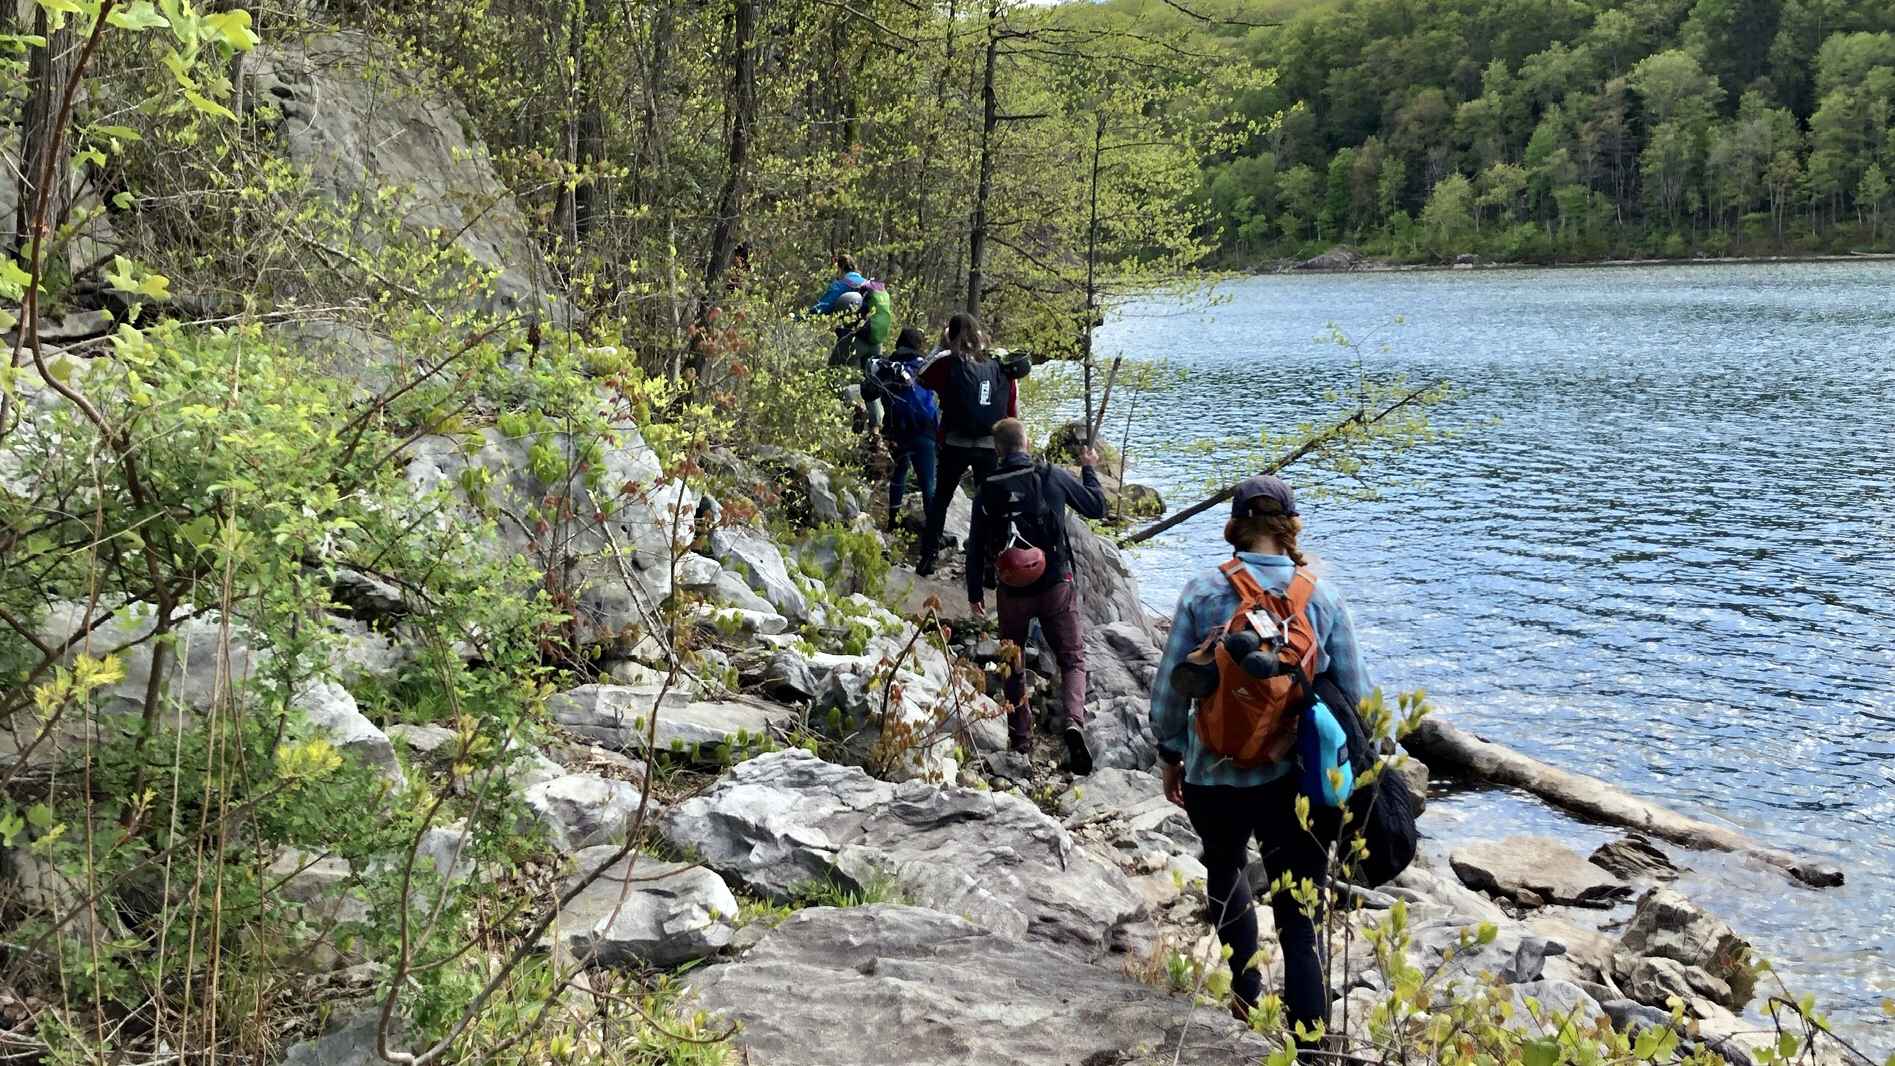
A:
<point x="813" y="823"/>
<point x="1004" y="911"/>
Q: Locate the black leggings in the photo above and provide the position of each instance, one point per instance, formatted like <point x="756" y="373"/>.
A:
<point x="950" y="463"/>
<point x="1226" y="817"/>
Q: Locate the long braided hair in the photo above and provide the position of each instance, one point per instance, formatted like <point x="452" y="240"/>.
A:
<point x="1241" y="533"/>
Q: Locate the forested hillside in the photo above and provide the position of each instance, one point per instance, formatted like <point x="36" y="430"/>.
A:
<point x="1565" y="128"/>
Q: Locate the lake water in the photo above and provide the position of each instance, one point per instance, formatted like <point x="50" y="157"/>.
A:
<point x="1660" y="550"/>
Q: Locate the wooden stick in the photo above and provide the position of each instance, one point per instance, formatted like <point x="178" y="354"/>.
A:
<point x="1360" y="418"/>
<point x="1098" y="417"/>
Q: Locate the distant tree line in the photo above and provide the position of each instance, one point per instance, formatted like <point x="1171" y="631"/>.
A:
<point x="1537" y="129"/>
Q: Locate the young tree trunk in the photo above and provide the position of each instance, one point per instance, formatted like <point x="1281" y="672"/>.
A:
<point x="990" y="121"/>
<point x="1092" y="287"/>
<point x="741" y="109"/>
<point x="48" y="70"/>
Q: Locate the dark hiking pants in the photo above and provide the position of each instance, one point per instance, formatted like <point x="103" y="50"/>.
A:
<point x="918" y="454"/>
<point x="951" y="462"/>
<point x="1226" y="818"/>
<point x="1057" y="608"/>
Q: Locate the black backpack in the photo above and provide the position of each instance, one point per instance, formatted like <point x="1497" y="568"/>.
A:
<point x="1384" y="812"/>
<point x="1013" y="502"/>
<point x="976" y="396"/>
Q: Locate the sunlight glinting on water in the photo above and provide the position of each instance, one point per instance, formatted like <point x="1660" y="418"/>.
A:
<point x="1660" y="549"/>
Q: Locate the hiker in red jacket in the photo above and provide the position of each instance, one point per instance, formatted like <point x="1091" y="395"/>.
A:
<point x="975" y="392"/>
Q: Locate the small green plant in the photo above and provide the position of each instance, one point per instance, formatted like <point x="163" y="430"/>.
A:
<point x="832" y="891"/>
<point x="767" y="913"/>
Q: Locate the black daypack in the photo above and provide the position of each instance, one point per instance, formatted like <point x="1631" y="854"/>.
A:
<point x="976" y="397"/>
<point x="1383" y="812"/>
<point x="1014" y="505"/>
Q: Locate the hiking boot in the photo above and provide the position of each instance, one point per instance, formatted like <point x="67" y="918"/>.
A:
<point x="925" y="568"/>
<point x="1020" y="745"/>
<point x="1078" y="754"/>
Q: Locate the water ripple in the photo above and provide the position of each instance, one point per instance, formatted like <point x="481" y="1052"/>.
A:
<point x="1669" y="562"/>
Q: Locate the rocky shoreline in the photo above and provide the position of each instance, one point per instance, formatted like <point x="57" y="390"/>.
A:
<point x="1343" y="259"/>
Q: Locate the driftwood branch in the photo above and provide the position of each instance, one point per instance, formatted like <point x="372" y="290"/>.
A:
<point x="1360" y="418"/>
<point x="1446" y="748"/>
<point x="1105" y="399"/>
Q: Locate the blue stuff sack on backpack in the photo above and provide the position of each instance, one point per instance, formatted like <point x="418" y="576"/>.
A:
<point x="1322" y="747"/>
<point x="911" y="407"/>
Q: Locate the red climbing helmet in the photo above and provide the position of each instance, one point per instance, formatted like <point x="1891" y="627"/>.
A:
<point x="1020" y="565"/>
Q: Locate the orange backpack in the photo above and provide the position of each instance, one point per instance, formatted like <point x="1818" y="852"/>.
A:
<point x="1249" y="720"/>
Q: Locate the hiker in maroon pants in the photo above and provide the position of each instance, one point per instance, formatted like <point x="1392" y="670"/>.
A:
<point x="1020" y="524"/>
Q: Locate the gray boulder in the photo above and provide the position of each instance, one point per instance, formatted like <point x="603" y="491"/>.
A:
<point x="202" y="651"/>
<point x="1535" y="871"/>
<point x="618" y="717"/>
<point x="1136" y="798"/>
<point x="1122" y="652"/>
<point x="616" y="568"/>
<point x="615" y="716"/>
<point x="1556" y="999"/>
<point x="426" y="740"/>
<point x="1654" y="981"/>
<point x="1588" y="951"/>
<point x="328" y="903"/>
<point x="1631" y="1016"/>
<point x="445" y="849"/>
<point x="751" y="623"/>
<point x="868" y="986"/>
<point x="1666" y="925"/>
<point x="374" y="363"/>
<point x="698" y="573"/>
<point x="331" y="711"/>
<point x="783" y="821"/>
<point x="584" y="810"/>
<point x="1414" y="773"/>
<point x="360" y="121"/>
<point x="787" y="678"/>
<point x="755" y="558"/>
<point x="1635" y="859"/>
<point x="645" y="912"/>
<point x="731" y="591"/>
<point x="1424" y="882"/>
<point x="352" y="1043"/>
<point x="1338" y="259"/>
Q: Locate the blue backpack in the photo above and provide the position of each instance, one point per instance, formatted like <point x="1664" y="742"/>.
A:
<point x="910" y="409"/>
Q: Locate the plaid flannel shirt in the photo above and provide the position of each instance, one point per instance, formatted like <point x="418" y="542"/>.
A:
<point x="1206" y="603"/>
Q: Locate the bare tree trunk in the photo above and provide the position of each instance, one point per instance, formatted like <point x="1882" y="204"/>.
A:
<point x="990" y="121"/>
<point x="48" y="70"/>
<point x="583" y="136"/>
<point x="1092" y="289"/>
<point x="742" y="108"/>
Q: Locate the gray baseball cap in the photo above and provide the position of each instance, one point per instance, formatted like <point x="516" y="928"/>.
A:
<point x="1263" y="495"/>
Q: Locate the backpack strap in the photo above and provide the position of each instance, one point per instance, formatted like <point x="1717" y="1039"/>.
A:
<point x="1249" y="592"/>
<point x="1302" y="588"/>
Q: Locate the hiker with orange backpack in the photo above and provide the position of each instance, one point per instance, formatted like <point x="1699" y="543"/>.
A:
<point x="1020" y="526"/>
<point x="1249" y="642"/>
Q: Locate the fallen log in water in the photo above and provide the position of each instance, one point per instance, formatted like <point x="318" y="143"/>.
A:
<point x="1446" y="749"/>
